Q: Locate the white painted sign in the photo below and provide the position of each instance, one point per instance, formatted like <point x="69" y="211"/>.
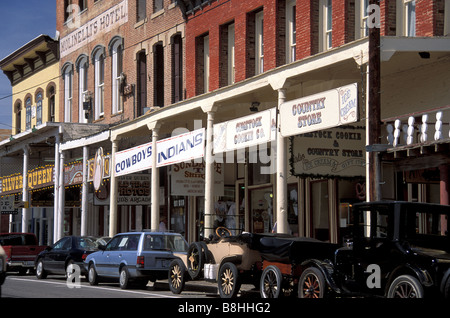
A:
<point x="325" y="110"/>
<point x="185" y="147"/>
<point x="333" y="152"/>
<point x="88" y="32"/>
<point x="188" y="179"/>
<point x="246" y="131"/>
<point x="181" y="148"/>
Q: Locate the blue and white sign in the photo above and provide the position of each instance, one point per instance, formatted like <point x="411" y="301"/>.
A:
<point x="181" y="148"/>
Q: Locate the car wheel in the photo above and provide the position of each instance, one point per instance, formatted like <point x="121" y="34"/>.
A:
<point x="405" y="286"/>
<point x="447" y="289"/>
<point x="195" y="261"/>
<point x="40" y="272"/>
<point x="176" y="276"/>
<point x="311" y="284"/>
<point x="229" y="282"/>
<point x="124" y="278"/>
<point x="271" y="280"/>
<point x="92" y="275"/>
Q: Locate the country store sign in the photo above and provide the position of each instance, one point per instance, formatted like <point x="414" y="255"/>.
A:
<point x="324" y="110"/>
<point x="181" y="148"/>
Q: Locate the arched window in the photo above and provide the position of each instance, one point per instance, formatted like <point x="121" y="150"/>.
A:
<point x="116" y="52"/>
<point x="39" y="98"/>
<point x="28" y="103"/>
<point x="18" y="117"/>
<point x="83" y="96"/>
<point x="67" y="72"/>
<point x="98" y="59"/>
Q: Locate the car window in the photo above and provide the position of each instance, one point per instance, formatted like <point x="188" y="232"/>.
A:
<point x="175" y="243"/>
<point x="86" y="243"/>
<point x="124" y="243"/>
<point x="63" y="244"/>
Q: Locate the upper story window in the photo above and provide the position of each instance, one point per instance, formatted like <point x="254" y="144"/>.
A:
<point x="177" y="68"/>
<point x="99" y="70"/>
<point x="326" y="22"/>
<point x="67" y="72"/>
<point x="83" y="95"/>
<point x="141" y="10"/>
<point x="291" y="31"/>
<point x="158" y="5"/>
<point x="447" y="18"/>
<point x="82" y="4"/>
<point x="364" y="18"/>
<point x="39" y="108"/>
<point x="410" y="17"/>
<point x="18" y="112"/>
<point x="202" y="64"/>
<point x="116" y="51"/>
<point x="259" y="42"/>
<point x="28" y="113"/>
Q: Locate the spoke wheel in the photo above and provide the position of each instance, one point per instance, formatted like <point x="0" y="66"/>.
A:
<point x="311" y="284"/>
<point x="271" y="280"/>
<point x="405" y="286"/>
<point x="176" y="276"/>
<point x="195" y="260"/>
<point x="229" y="284"/>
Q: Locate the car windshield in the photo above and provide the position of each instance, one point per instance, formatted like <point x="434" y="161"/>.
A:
<point x="174" y="243"/>
<point x="17" y="239"/>
<point x="86" y="243"/>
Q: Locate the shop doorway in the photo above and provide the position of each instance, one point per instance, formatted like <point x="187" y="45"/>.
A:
<point x="261" y="210"/>
<point x="319" y="211"/>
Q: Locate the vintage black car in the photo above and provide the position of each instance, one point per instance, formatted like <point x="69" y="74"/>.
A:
<point x="397" y="250"/>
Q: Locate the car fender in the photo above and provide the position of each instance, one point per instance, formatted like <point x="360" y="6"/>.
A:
<point x="327" y="270"/>
<point x="422" y="275"/>
<point x="444" y="280"/>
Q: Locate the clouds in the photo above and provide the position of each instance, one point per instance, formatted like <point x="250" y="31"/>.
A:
<point x="21" y="22"/>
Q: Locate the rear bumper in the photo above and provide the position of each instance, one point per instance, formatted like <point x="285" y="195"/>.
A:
<point x="12" y="265"/>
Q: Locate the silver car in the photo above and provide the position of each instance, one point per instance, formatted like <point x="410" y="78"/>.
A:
<point x="135" y="257"/>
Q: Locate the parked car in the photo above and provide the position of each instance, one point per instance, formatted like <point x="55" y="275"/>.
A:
<point x="21" y="250"/>
<point x="69" y="250"/>
<point x="135" y="257"/>
<point x="2" y="268"/>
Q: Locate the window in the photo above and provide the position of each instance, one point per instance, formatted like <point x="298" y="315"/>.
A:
<point x="99" y="62"/>
<point x="410" y="17"/>
<point x="51" y="104"/>
<point x="158" y="5"/>
<point x="206" y="63"/>
<point x="82" y="4"/>
<point x="158" y="74"/>
<point x="83" y="87"/>
<point x="291" y="21"/>
<point x="18" y="110"/>
<point x="67" y="12"/>
<point x="141" y="82"/>
<point x="116" y="48"/>
<point x="328" y="25"/>
<point x="259" y="42"/>
<point x="364" y="19"/>
<point x="68" y="78"/>
<point x="39" y="109"/>
<point x="177" y="68"/>
<point x="231" y="55"/>
<point x="141" y="10"/>
<point x="447" y="18"/>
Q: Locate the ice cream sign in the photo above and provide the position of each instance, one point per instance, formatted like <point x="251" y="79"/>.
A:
<point x="324" y="110"/>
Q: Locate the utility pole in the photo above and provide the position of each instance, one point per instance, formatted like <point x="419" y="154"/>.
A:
<point x="374" y="98"/>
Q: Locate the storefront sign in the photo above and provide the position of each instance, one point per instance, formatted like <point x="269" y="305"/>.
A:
<point x="133" y="189"/>
<point x="325" y="110"/>
<point x="181" y="148"/>
<point x="337" y="152"/>
<point x="103" y="23"/>
<point x="41" y="177"/>
<point x="12" y="184"/>
<point x="133" y="159"/>
<point x="7" y="205"/>
<point x="245" y="132"/>
<point x="73" y="173"/>
<point x="106" y="167"/>
<point x="188" y="179"/>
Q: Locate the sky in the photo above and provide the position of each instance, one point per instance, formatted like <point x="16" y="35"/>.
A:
<point x="21" y="22"/>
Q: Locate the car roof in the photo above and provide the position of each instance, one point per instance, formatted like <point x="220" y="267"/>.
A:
<point x="149" y="232"/>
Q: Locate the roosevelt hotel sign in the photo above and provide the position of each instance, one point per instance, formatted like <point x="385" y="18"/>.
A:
<point x="101" y="24"/>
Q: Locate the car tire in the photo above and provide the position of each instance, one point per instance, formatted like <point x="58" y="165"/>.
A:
<point x="405" y="286"/>
<point x="228" y="281"/>
<point x="311" y="284"/>
<point x="124" y="278"/>
<point x="447" y="289"/>
<point x="196" y="260"/>
<point x="270" y="283"/>
<point x="40" y="271"/>
<point x="177" y="279"/>
<point x="92" y="275"/>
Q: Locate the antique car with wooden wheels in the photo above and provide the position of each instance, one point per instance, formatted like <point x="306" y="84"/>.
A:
<point x="228" y="260"/>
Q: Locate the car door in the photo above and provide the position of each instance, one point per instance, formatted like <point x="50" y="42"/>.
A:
<point x="55" y="258"/>
<point x="125" y="252"/>
<point x="102" y="259"/>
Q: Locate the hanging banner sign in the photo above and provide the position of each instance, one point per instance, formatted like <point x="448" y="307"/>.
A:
<point x="181" y="148"/>
<point x="245" y="132"/>
<point x="73" y="173"/>
<point x="325" y="110"/>
<point x="336" y="152"/>
<point x="41" y="177"/>
<point x="133" y="160"/>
